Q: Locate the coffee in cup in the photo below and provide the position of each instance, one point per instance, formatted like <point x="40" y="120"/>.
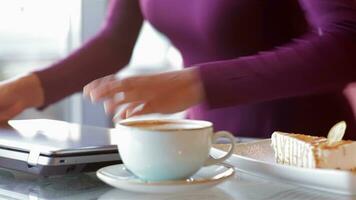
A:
<point x="167" y="149"/>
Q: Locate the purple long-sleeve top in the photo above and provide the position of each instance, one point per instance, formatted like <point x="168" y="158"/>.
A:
<point x="265" y="65"/>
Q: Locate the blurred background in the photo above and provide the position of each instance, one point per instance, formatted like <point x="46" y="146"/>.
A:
<point x="36" y="33"/>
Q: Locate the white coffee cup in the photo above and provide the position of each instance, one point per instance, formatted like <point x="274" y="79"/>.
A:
<point x="156" y="150"/>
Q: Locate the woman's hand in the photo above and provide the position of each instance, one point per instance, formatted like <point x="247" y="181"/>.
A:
<point x="164" y="93"/>
<point x="19" y="94"/>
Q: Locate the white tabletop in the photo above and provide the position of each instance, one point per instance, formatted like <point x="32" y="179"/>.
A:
<point x="16" y="185"/>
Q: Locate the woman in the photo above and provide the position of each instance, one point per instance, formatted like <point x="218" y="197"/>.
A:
<point x="252" y="67"/>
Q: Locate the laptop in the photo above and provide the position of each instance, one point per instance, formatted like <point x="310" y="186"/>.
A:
<point x="50" y="147"/>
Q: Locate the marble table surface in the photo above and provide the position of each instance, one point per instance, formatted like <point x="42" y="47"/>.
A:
<point x="17" y="185"/>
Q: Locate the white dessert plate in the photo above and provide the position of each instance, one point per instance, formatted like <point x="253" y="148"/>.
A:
<point x="258" y="158"/>
<point x="118" y="176"/>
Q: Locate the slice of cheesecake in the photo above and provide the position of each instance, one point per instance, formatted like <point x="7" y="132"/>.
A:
<point x="313" y="152"/>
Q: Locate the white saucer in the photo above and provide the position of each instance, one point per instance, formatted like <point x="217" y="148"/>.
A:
<point x="117" y="176"/>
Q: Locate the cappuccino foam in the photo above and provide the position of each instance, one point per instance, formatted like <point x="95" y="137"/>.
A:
<point x="166" y="125"/>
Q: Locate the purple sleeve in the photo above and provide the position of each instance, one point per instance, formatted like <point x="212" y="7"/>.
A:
<point x="324" y="59"/>
<point x="104" y="54"/>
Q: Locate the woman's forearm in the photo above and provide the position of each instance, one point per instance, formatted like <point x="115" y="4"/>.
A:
<point x="106" y="53"/>
<point x="322" y="60"/>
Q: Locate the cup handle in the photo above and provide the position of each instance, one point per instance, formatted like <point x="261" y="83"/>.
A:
<point x="225" y="134"/>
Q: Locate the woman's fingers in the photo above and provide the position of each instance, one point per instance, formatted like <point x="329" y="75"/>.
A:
<point x="141" y="85"/>
<point x="109" y="89"/>
<point x="129" y="110"/>
<point x="11" y="112"/>
<point x="170" y="102"/>
<point x="133" y="89"/>
<point x="145" y="108"/>
<point x="111" y="105"/>
<point x="160" y="93"/>
<point x="96" y="83"/>
<point x="121" y="98"/>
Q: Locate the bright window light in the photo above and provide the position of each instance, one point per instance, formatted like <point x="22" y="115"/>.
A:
<point x="34" y="28"/>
